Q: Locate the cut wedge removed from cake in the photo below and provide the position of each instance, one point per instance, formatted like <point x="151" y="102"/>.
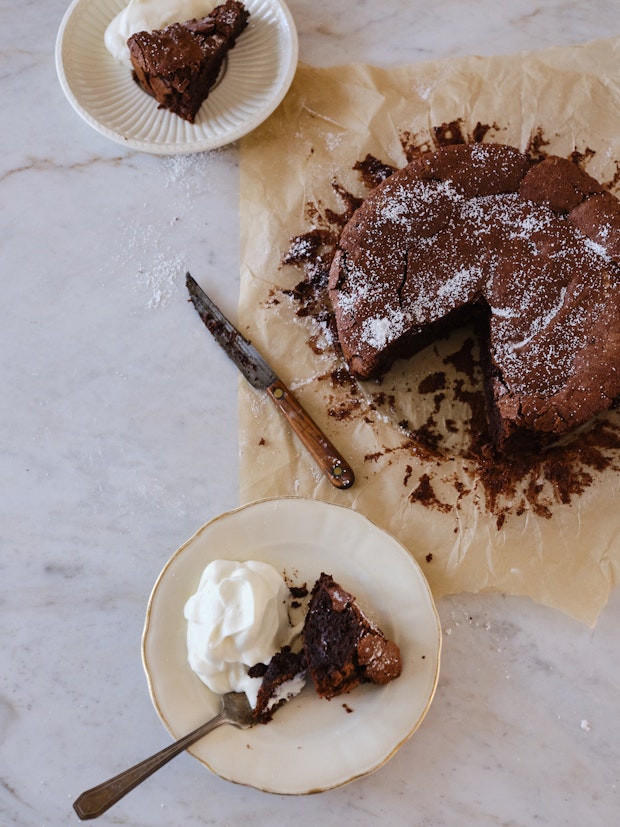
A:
<point x="179" y="65"/>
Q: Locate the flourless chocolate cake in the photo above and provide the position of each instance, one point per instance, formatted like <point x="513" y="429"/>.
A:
<point x="344" y="648"/>
<point x="529" y="251"/>
<point x="179" y="65"/>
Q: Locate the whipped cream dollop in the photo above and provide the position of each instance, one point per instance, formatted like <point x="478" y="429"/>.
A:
<point x="148" y="15"/>
<point x="237" y="618"/>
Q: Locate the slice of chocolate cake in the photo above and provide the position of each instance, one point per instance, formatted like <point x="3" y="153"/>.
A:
<point x="179" y="65"/>
<point x="342" y="646"/>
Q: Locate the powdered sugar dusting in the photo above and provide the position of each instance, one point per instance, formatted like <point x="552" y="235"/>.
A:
<point x="410" y="204"/>
<point x="457" y="289"/>
<point x="597" y="249"/>
<point x="161" y="279"/>
<point x="157" y="260"/>
<point x="191" y="170"/>
<point x="159" y="269"/>
<point x="542" y="321"/>
<point x="379" y="331"/>
<point x="427" y="251"/>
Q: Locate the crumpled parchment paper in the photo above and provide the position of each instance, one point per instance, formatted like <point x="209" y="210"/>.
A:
<point x="564" y="555"/>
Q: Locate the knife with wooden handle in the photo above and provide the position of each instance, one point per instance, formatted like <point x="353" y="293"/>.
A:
<point x="258" y="373"/>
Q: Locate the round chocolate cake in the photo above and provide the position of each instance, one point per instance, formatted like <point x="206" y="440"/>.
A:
<point x="529" y="252"/>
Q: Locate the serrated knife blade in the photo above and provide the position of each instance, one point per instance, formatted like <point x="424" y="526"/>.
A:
<point x="260" y="375"/>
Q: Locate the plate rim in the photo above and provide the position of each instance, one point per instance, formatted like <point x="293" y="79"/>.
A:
<point x="179" y="147"/>
<point x="437" y="643"/>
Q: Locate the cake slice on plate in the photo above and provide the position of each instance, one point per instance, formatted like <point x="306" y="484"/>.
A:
<point x="180" y="64"/>
<point x="343" y="647"/>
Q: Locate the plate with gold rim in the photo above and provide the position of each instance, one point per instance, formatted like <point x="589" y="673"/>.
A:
<point x="311" y="744"/>
<point x="258" y="72"/>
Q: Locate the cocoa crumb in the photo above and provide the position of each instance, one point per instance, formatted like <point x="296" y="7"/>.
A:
<point x="298" y="591"/>
<point x="425" y="494"/>
<point x="481" y="129"/>
<point x="536" y="144"/>
<point x="449" y="133"/>
<point x="373" y="171"/>
<point x="408" y="473"/>
<point x="464" y="359"/>
<point x="433" y="382"/>
<point x="428" y="435"/>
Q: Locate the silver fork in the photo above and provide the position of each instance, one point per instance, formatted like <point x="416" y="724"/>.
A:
<point x="235" y="710"/>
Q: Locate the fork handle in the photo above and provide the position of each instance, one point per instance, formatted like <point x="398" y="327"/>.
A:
<point x="95" y="802"/>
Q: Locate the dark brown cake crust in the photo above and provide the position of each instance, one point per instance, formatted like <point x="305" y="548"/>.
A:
<point x="179" y="65"/>
<point x="343" y="648"/>
<point x="530" y="251"/>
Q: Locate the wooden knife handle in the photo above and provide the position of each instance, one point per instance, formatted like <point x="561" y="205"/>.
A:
<point x="335" y="468"/>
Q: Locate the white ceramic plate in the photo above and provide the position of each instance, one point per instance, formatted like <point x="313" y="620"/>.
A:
<point x="259" y="71"/>
<point x="311" y="744"/>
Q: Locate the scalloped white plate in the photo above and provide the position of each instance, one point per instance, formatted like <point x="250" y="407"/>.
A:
<point x="258" y="73"/>
<point x="311" y="744"/>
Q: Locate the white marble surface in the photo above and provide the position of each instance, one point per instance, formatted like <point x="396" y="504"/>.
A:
<point x="117" y="444"/>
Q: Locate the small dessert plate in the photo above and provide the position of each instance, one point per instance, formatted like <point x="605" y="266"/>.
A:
<point x="258" y="73"/>
<point x="312" y="744"/>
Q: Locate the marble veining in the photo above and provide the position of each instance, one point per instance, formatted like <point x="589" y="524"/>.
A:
<point x="118" y="443"/>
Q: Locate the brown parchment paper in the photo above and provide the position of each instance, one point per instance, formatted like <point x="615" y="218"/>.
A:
<point x="331" y="118"/>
